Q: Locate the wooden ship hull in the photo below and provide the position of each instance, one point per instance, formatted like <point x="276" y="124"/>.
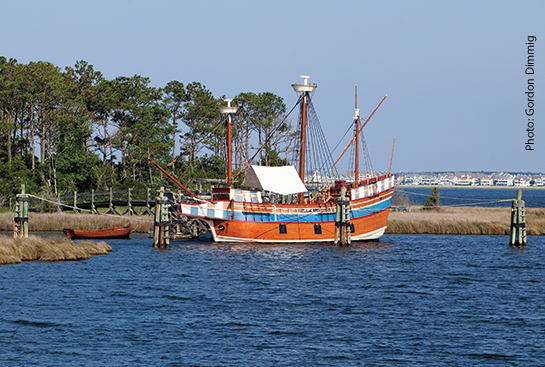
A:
<point x="99" y="234"/>
<point x="254" y="221"/>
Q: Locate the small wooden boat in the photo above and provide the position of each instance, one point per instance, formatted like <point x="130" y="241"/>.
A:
<point x="107" y="233"/>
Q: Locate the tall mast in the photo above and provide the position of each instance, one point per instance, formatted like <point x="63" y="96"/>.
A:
<point x="357" y="163"/>
<point x="305" y="89"/>
<point x="229" y="111"/>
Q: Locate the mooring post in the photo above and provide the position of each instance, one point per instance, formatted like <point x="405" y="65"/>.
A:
<point x="517" y="234"/>
<point x="161" y="237"/>
<point x="342" y="220"/>
<point x="21" y="214"/>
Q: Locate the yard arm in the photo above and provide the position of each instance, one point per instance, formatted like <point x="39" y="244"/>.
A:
<point x="172" y="178"/>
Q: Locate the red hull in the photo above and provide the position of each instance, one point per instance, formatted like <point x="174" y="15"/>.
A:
<point x="369" y="227"/>
<point x="107" y="233"/>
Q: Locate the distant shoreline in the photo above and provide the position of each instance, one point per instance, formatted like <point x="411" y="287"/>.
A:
<point x="470" y="187"/>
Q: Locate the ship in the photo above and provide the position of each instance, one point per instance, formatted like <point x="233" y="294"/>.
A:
<point x="290" y="204"/>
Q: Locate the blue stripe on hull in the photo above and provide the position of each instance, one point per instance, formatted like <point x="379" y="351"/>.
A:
<point x="311" y="217"/>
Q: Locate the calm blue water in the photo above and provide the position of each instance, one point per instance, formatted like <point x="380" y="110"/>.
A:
<point x="476" y="197"/>
<point x="408" y="300"/>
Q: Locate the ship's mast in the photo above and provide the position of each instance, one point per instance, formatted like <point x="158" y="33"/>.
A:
<point x="305" y="89"/>
<point x="357" y="163"/>
<point x="229" y="110"/>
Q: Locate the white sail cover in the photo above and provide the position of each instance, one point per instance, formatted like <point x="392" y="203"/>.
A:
<point x="282" y="180"/>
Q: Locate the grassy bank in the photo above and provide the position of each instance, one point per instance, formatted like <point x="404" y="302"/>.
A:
<point x="54" y="222"/>
<point x="34" y="248"/>
<point x="463" y="220"/>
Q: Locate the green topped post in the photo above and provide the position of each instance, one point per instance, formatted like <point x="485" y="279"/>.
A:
<point x="342" y="220"/>
<point x="161" y="225"/>
<point x="517" y="234"/>
<point x="21" y="215"/>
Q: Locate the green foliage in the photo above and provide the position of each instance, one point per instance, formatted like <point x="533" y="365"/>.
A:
<point x="15" y="173"/>
<point x="432" y="202"/>
<point x="271" y="158"/>
<point x="74" y="130"/>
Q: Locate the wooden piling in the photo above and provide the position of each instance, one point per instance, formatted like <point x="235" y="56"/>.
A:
<point x="21" y="215"/>
<point x="161" y="238"/>
<point x="342" y="220"/>
<point x="517" y="234"/>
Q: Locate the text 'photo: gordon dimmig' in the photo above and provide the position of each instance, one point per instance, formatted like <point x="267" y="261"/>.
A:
<point x="530" y="86"/>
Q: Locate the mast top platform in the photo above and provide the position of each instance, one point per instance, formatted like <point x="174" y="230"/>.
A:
<point x="305" y="87"/>
<point x="229" y="108"/>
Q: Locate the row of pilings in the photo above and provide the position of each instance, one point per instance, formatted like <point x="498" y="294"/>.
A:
<point x="165" y="219"/>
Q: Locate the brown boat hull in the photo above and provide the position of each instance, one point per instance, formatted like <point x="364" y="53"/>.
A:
<point x="99" y="234"/>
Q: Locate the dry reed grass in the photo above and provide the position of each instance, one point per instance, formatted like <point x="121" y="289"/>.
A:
<point x="463" y="220"/>
<point x="55" y="222"/>
<point x="34" y="248"/>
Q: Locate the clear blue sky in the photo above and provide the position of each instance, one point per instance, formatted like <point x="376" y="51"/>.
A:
<point x="454" y="70"/>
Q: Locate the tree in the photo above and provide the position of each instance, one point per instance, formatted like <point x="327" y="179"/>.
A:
<point x="200" y="114"/>
<point x="174" y="99"/>
<point x="142" y="124"/>
<point x="261" y="113"/>
<point x="47" y="88"/>
<point x="432" y="202"/>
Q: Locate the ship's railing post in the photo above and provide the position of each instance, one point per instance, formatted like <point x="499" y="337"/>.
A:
<point x="21" y="215"/>
<point x="161" y="237"/>
<point x="517" y="234"/>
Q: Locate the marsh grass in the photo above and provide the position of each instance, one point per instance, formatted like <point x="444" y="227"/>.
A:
<point x="445" y="220"/>
<point x="463" y="220"/>
<point x="34" y="248"/>
<point x="55" y="222"/>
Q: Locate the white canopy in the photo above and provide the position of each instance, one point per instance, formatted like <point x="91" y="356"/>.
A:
<point x="282" y="180"/>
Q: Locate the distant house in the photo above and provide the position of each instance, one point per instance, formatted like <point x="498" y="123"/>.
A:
<point x="429" y="181"/>
<point x="521" y="181"/>
<point x="502" y="179"/>
<point x="485" y="181"/>
<point x="466" y="180"/>
<point x="539" y="181"/>
<point x="448" y="180"/>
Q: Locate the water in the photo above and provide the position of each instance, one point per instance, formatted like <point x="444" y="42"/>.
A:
<point x="408" y="300"/>
<point x="534" y="198"/>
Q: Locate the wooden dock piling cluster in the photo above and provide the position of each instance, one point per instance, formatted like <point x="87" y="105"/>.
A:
<point x="342" y="220"/>
<point x="20" y="229"/>
<point x="161" y="225"/>
<point x="517" y="234"/>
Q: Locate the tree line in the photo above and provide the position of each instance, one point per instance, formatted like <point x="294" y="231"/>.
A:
<point x="74" y="130"/>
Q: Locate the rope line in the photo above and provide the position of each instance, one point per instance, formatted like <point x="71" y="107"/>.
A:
<point x="76" y="208"/>
<point x="475" y="201"/>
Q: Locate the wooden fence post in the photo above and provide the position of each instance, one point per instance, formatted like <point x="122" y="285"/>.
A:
<point x="76" y="210"/>
<point x="93" y="208"/>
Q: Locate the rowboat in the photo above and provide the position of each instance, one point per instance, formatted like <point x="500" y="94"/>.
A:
<point x="286" y="205"/>
<point x="102" y="234"/>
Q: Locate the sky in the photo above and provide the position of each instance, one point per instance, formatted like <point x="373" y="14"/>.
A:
<point x="454" y="71"/>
